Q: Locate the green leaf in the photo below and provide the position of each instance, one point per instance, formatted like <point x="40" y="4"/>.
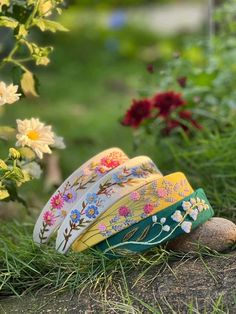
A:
<point x="144" y="233"/>
<point x="7" y="133"/>
<point x="8" y="22"/>
<point x="28" y="84"/>
<point x="129" y="235"/>
<point x="48" y="25"/>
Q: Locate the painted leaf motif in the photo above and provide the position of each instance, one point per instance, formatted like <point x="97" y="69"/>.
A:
<point x="144" y="233"/>
<point x="130" y="234"/>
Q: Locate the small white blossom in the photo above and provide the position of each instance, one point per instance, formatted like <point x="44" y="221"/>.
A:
<point x="186" y="226"/>
<point x="163" y="220"/>
<point x="186" y="205"/>
<point x="154" y="218"/>
<point x="8" y="94"/>
<point x="200" y="207"/>
<point x="193" y="201"/>
<point x="193" y="214"/>
<point x="166" y="228"/>
<point x="177" y="216"/>
<point x="206" y="206"/>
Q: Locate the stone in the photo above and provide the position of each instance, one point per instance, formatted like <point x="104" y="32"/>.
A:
<point x="218" y="234"/>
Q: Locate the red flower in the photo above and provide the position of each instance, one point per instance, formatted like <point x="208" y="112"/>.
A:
<point x="140" y="110"/>
<point x="166" y="102"/>
<point x="184" y="115"/>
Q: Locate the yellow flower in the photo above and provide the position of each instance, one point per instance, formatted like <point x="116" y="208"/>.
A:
<point x="8" y="94"/>
<point x="36" y="135"/>
<point x="13" y="153"/>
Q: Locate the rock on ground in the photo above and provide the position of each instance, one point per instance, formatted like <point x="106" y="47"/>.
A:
<point x="173" y="288"/>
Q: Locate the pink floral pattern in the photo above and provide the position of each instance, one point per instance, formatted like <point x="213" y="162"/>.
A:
<point x="130" y="214"/>
<point x="69" y="193"/>
<point x="57" y="201"/>
<point x="49" y="218"/>
<point x="124" y="211"/>
<point x="148" y="208"/>
<point x="125" y="176"/>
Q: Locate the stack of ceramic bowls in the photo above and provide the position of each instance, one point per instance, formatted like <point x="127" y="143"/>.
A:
<point x="119" y="205"/>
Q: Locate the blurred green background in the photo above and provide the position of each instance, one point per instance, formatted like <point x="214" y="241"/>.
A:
<point x="99" y="66"/>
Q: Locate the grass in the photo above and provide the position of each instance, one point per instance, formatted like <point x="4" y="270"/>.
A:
<point x="83" y="94"/>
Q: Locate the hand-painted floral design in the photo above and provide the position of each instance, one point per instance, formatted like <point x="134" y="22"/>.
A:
<point x="109" y="162"/>
<point x="102" y="227"/>
<point x="135" y="196"/>
<point x="119" y="178"/>
<point x="148" y="202"/>
<point x="93" y="202"/>
<point x="91" y="198"/>
<point x="177" y="216"/>
<point x="148" y="208"/>
<point x="162" y="192"/>
<point x="162" y="220"/>
<point x="57" y="201"/>
<point x="186" y="226"/>
<point x="49" y="218"/>
<point x="138" y="172"/>
<point x="124" y="211"/>
<point x="180" y="219"/>
<point x="91" y="211"/>
<point x="75" y="216"/>
<point x="70" y="196"/>
<point x="166" y="228"/>
<point x="60" y="203"/>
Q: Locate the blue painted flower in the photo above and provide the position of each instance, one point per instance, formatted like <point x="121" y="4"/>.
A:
<point x="75" y="215"/>
<point x="91" y="198"/>
<point x="91" y="211"/>
<point x="118" y="177"/>
<point x="138" y="172"/>
<point x="70" y="196"/>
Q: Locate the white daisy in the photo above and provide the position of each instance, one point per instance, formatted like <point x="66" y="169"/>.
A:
<point x="177" y="216"/>
<point x="8" y="94"/>
<point x="186" y="226"/>
<point x="36" y="135"/>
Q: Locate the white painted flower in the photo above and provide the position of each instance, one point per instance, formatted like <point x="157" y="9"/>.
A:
<point x="177" y="216"/>
<point x="58" y="142"/>
<point x="200" y="207"/>
<point x="186" y="226"/>
<point x="193" y="201"/>
<point x="193" y="213"/>
<point x="206" y="206"/>
<point x="163" y="220"/>
<point x="32" y="169"/>
<point x="186" y="205"/>
<point x="8" y="93"/>
<point x="166" y="228"/>
<point x="154" y="218"/>
<point x="36" y="135"/>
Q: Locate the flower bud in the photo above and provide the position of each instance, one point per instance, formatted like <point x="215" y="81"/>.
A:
<point x="14" y="154"/>
<point x="3" y="165"/>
